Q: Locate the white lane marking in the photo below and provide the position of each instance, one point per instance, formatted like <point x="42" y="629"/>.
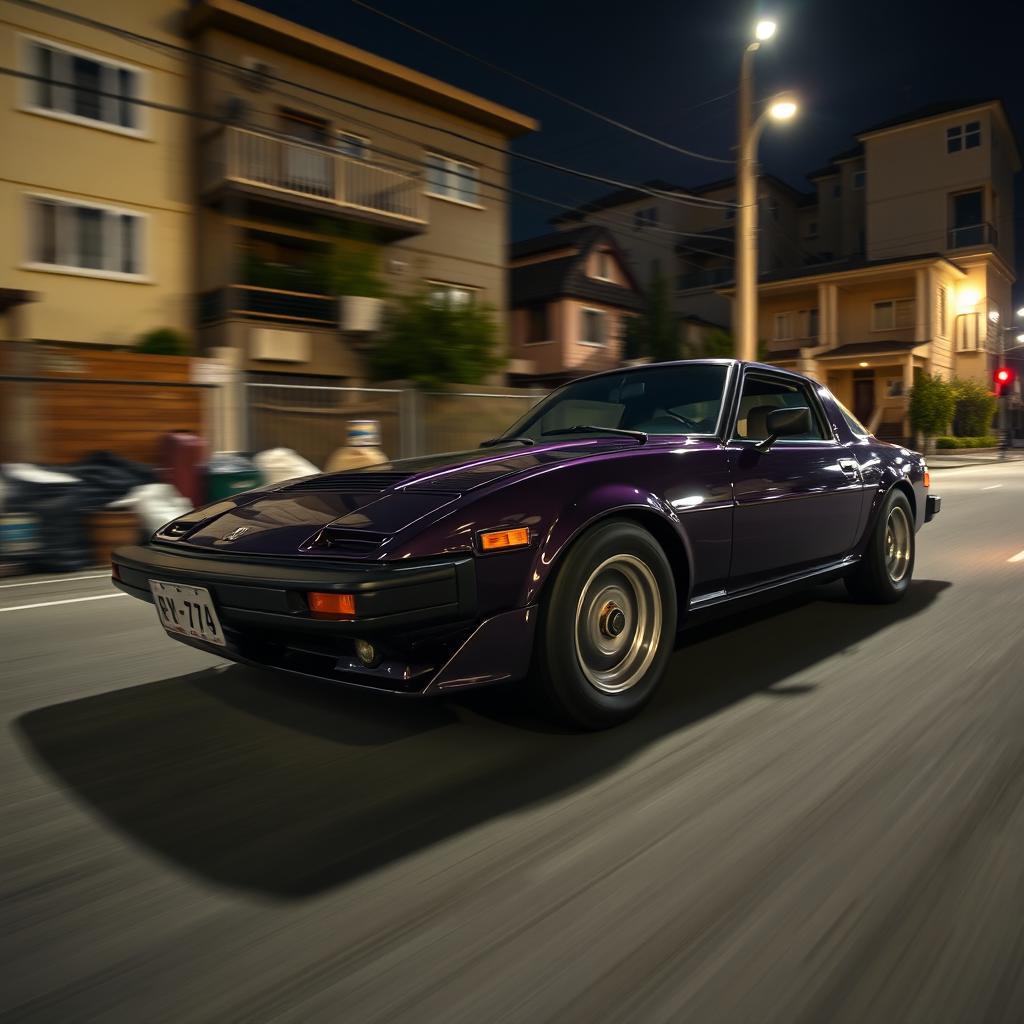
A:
<point x="991" y="487"/>
<point x="56" y="579"/>
<point x="1019" y="557"/>
<point x="50" y="604"/>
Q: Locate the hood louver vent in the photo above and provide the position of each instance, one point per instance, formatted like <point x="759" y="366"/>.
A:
<point x="351" y="542"/>
<point x="351" y="483"/>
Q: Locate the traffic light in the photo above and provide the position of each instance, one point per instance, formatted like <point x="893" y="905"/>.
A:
<point x="1004" y="378"/>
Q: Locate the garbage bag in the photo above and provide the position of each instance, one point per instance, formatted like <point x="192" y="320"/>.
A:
<point x="154" y="504"/>
<point x="277" y="464"/>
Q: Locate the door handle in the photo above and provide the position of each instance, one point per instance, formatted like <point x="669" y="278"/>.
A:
<point x="851" y="468"/>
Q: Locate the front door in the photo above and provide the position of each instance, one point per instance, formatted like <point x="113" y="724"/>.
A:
<point x="864" y="398"/>
<point x="798" y="504"/>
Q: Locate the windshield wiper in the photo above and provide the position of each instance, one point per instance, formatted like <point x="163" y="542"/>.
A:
<point x="515" y="439"/>
<point x="591" y="428"/>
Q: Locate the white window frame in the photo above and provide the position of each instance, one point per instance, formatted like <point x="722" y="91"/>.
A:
<point x="603" y="254"/>
<point x="452" y="286"/>
<point x="893" y="303"/>
<point x="141" y="239"/>
<point x="27" y="104"/>
<point x="341" y="134"/>
<point x="942" y="311"/>
<point x="783" y="318"/>
<point x="604" y="319"/>
<point x="452" y="165"/>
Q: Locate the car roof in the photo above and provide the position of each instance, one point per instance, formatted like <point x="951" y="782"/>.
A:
<point x="750" y="364"/>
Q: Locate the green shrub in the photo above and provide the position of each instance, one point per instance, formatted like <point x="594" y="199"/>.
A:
<point x="164" y="341"/>
<point x="975" y="408"/>
<point x="432" y="343"/>
<point x="986" y="441"/>
<point x="932" y="403"/>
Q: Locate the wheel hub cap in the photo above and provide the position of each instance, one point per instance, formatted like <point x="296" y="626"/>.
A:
<point x="897" y="544"/>
<point x="618" y="623"/>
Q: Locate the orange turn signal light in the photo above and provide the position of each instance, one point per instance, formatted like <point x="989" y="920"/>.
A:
<point x="332" y="604"/>
<point x="927" y="478"/>
<point x="495" y="539"/>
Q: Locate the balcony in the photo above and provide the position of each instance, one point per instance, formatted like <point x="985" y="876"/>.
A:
<point x="706" y="278"/>
<point x="294" y="173"/>
<point x="251" y="302"/>
<point x="972" y="235"/>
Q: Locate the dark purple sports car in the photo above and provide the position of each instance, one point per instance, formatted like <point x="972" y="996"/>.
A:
<point x="568" y="551"/>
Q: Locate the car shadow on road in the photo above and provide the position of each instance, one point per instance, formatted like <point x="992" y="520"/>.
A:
<point x="287" y="787"/>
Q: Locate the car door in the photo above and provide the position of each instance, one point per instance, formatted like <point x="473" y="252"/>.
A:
<point x="798" y="503"/>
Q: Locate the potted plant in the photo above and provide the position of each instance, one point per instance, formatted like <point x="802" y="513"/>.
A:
<point x="353" y="275"/>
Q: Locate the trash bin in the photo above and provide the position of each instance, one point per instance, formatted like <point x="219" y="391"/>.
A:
<point x="229" y="473"/>
<point x="182" y="456"/>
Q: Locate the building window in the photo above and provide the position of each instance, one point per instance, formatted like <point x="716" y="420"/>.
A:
<point x="603" y="265"/>
<point x="452" y="179"/>
<point x="645" y="218"/>
<point x="78" y="86"/>
<point x="351" y="145"/>
<point x="812" y="229"/>
<point x="859" y="178"/>
<point x="783" y="327"/>
<point x="537" y="325"/>
<point x="837" y="190"/>
<point x="450" y="296"/>
<point x="942" y="311"/>
<point x="84" y="237"/>
<point x="963" y="136"/>
<point x="592" y="327"/>
<point x="892" y="315"/>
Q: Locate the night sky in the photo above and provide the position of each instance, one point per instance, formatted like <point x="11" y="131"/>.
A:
<point x="654" y="65"/>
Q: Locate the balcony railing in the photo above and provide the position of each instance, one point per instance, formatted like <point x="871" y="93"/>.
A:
<point x="288" y="167"/>
<point x="972" y="234"/>
<point x="256" y="303"/>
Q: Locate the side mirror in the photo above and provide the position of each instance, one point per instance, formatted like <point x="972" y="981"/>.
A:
<point x="785" y="423"/>
<point x="788" y="422"/>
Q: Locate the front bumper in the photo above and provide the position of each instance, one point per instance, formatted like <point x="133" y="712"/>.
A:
<point x="423" y="617"/>
<point x="932" y="507"/>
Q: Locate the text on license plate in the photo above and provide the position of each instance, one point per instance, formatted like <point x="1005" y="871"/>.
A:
<point x="187" y="611"/>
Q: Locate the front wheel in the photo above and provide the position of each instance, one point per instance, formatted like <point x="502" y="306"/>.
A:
<point x="883" y="574"/>
<point x="607" y="626"/>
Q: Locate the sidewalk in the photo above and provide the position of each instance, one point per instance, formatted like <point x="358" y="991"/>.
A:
<point x="961" y="458"/>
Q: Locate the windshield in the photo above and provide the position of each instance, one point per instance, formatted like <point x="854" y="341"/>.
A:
<point x="679" y="399"/>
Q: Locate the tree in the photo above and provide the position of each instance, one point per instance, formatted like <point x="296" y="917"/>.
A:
<point x="932" y="403"/>
<point x="974" y="410"/>
<point x="435" y="343"/>
<point x="163" y="341"/>
<point x="719" y="344"/>
<point x="654" y="333"/>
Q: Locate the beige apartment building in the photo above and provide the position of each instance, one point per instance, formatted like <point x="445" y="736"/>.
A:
<point x="95" y="193"/>
<point x="222" y="216"/>
<point x="910" y="262"/>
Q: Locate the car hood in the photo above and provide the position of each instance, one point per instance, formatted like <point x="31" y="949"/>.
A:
<point x="354" y="512"/>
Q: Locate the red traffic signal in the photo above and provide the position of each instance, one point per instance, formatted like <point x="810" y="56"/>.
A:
<point x="1004" y="375"/>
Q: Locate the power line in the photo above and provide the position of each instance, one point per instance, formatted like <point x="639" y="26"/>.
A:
<point x="677" y="197"/>
<point x="543" y="88"/>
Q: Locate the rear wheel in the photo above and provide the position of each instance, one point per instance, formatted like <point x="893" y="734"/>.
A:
<point x="885" y="570"/>
<point x="607" y="626"/>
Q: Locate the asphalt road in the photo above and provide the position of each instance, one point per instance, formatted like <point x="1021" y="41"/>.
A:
<point x="820" y="818"/>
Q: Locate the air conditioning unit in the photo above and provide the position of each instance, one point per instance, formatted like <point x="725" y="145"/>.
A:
<point x="256" y="73"/>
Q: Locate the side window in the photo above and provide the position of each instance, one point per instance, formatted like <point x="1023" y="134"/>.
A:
<point x="761" y="396"/>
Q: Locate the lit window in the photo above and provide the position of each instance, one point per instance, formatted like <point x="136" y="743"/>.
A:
<point x="892" y="314"/>
<point x="79" y="86"/>
<point x="352" y="145"/>
<point x="592" y="327"/>
<point x="452" y="179"/>
<point x="85" y="237"/>
<point x="450" y="296"/>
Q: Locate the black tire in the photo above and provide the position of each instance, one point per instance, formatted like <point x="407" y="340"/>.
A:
<point x="883" y="574"/>
<point x="607" y="626"/>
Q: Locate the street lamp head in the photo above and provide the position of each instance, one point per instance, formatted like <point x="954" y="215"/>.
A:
<point x="765" y="29"/>
<point x="783" y="107"/>
<point x="1020" y="312"/>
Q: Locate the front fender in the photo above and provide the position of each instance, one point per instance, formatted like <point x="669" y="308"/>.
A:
<point x="905" y="470"/>
<point x="588" y="509"/>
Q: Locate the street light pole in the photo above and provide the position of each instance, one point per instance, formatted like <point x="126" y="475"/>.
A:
<point x="781" y="108"/>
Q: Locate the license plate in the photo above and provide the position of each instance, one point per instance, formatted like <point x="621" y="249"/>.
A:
<point x="187" y="611"/>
